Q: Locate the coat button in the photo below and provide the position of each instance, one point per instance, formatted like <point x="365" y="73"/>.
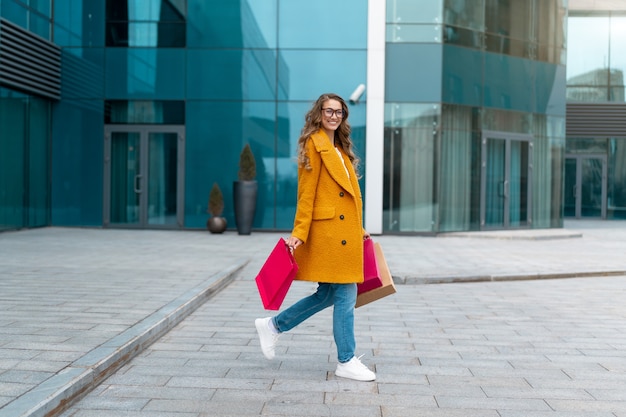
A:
<point x="341" y="217"/>
<point x="343" y="242"/>
<point x="341" y="194"/>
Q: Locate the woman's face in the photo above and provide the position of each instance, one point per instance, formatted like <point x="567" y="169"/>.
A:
<point x="332" y="115"/>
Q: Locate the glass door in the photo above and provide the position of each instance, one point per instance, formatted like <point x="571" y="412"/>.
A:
<point x="144" y="176"/>
<point x="585" y="186"/>
<point x="505" y="182"/>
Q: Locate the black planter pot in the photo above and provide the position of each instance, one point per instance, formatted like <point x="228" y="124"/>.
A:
<point x="244" y="195"/>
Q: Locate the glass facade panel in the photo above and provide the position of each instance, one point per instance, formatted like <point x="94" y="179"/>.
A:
<point x="77" y="167"/>
<point x="15" y="12"/>
<point x="244" y="74"/>
<point x="409" y="181"/>
<point x="38" y="163"/>
<point x="79" y="23"/>
<point x="549" y="88"/>
<point x="156" y="23"/>
<point x="510" y="83"/>
<point x="617" y="59"/>
<point x="232" y="24"/>
<point x="399" y="33"/>
<point x="616" y="190"/>
<point x="13" y="108"/>
<point x="306" y="73"/>
<point x="468" y="14"/>
<point x="410" y="11"/>
<point x="459" y="85"/>
<point x="162" y="178"/>
<point x="125" y="178"/>
<point x="589" y="60"/>
<point x="408" y="78"/>
<point x="212" y="122"/>
<point x="24" y="161"/>
<point x="145" y="73"/>
<point x="329" y="24"/>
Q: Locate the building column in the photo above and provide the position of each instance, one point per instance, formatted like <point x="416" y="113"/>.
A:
<point x="375" y="116"/>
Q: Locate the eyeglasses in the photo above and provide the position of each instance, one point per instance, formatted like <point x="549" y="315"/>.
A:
<point x="329" y="112"/>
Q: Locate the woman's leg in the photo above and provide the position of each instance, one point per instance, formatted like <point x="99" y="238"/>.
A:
<point x="343" y="320"/>
<point x="305" y="308"/>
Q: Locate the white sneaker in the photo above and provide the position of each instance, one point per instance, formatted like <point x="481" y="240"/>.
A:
<point x="354" y="369"/>
<point x="267" y="338"/>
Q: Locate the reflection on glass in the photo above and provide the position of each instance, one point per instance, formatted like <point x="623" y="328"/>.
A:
<point x="126" y="179"/>
<point x="588" y="58"/>
<point x="591" y="187"/>
<point x="456" y="164"/>
<point x="151" y="23"/>
<point x="467" y="14"/>
<point x="518" y="184"/>
<point x="408" y="200"/>
<point x="618" y="59"/>
<point x="617" y="179"/>
<point x="411" y="11"/>
<point x="495" y="187"/>
<point x="569" y="197"/>
<point x="162" y="178"/>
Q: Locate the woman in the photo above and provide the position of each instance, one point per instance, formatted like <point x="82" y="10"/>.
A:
<point x="327" y="238"/>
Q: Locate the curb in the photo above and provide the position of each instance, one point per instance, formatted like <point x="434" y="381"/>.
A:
<point x="56" y="394"/>
<point x="500" y="278"/>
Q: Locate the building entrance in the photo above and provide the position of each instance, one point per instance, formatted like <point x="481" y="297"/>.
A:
<point x="506" y="180"/>
<point x="585" y="185"/>
<point x="143" y="176"/>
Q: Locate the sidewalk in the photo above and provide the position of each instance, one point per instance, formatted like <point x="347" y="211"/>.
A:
<point x="79" y="303"/>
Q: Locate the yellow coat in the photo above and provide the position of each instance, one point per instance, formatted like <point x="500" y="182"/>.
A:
<point x="328" y="217"/>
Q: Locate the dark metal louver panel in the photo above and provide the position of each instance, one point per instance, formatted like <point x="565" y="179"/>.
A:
<point x="28" y="62"/>
<point x="595" y="120"/>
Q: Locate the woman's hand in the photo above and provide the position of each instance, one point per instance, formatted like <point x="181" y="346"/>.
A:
<point x="293" y="242"/>
<point x="366" y="235"/>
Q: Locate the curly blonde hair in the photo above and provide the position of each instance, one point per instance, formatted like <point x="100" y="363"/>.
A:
<point x="313" y="123"/>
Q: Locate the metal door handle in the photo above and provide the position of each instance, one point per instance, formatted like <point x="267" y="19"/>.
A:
<point x="138" y="183"/>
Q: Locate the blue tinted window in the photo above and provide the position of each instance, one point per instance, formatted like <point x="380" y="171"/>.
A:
<point x="76" y="176"/>
<point x="248" y="74"/>
<point x="232" y="24"/>
<point x="462" y="76"/>
<point x="323" y="24"/>
<point x="413" y="72"/>
<point x="16" y="13"/>
<point x="307" y="74"/>
<point x="216" y="132"/>
<point x="509" y="82"/>
<point x="79" y="23"/>
<point x="42" y="6"/>
<point x="549" y="88"/>
<point x="155" y="73"/>
<point x="411" y="11"/>
<point x="156" y="23"/>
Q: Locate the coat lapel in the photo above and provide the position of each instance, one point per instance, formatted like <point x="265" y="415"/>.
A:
<point x="332" y="162"/>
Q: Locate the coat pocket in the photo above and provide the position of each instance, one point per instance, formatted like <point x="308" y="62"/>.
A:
<point x="323" y="213"/>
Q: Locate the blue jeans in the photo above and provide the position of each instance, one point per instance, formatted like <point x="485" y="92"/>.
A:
<point x="343" y="297"/>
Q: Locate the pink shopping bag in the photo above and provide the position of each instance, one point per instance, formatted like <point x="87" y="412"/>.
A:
<point x="371" y="273"/>
<point x="276" y="276"/>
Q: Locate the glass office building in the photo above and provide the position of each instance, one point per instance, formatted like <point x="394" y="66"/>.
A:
<point x="144" y="104"/>
<point x="595" y="158"/>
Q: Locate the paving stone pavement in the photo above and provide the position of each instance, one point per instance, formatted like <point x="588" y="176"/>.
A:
<point x="65" y="294"/>
<point x="507" y="349"/>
